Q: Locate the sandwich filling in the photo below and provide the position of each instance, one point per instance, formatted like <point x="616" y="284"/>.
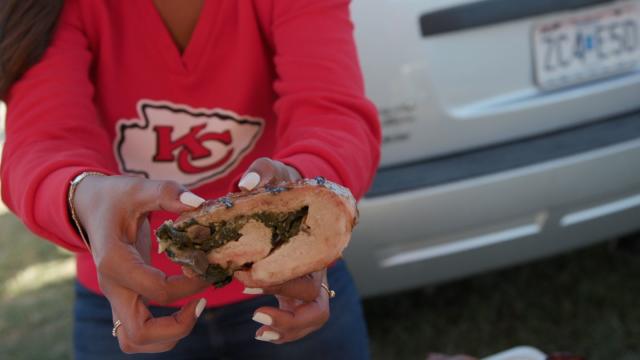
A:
<point x="194" y="244"/>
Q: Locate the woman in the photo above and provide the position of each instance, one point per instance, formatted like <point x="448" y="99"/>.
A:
<point x="134" y="102"/>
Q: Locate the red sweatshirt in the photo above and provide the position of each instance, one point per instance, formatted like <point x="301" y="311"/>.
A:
<point x="276" y="78"/>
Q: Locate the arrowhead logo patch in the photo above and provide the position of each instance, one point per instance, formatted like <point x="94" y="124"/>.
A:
<point x="189" y="146"/>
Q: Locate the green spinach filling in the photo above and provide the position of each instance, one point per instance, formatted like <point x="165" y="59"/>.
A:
<point x="193" y="237"/>
<point x="283" y="226"/>
<point x="217" y="275"/>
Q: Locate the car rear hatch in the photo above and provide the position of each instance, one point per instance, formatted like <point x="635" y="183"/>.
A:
<point x="450" y="76"/>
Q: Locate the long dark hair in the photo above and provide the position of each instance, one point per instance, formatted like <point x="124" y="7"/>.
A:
<point x="25" y="31"/>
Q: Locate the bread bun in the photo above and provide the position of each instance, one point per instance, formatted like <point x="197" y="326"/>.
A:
<point x="265" y="237"/>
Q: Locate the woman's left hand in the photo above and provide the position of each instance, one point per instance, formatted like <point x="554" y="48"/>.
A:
<point x="303" y="309"/>
<point x="303" y="304"/>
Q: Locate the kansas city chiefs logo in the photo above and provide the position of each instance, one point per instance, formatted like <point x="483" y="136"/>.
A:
<point x="190" y="146"/>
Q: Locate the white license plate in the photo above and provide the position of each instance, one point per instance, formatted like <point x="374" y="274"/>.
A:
<point x="590" y="45"/>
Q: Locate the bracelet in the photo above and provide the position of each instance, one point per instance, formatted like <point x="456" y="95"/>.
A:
<point x="74" y="215"/>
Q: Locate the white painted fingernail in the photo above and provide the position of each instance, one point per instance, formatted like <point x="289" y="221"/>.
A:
<point x="190" y="199"/>
<point x="252" y="291"/>
<point x="249" y="181"/>
<point x="268" y="336"/>
<point x="262" y="318"/>
<point x="200" y="307"/>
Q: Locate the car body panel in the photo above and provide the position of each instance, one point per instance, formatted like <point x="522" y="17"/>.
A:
<point x="472" y="93"/>
<point x="488" y="222"/>
<point x="466" y="89"/>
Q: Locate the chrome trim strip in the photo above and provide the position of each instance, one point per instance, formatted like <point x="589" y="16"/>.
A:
<point x="600" y="211"/>
<point x="435" y="251"/>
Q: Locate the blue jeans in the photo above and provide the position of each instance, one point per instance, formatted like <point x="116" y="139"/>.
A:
<point x="228" y="332"/>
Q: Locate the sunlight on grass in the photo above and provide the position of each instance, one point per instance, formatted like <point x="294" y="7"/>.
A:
<point x="39" y="275"/>
<point x="3" y="207"/>
<point x="36" y="295"/>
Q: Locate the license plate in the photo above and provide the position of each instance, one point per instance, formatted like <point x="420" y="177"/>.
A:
<point x="591" y="45"/>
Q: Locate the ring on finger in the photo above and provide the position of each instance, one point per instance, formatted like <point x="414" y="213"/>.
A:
<point x="116" y="325"/>
<point x="330" y="292"/>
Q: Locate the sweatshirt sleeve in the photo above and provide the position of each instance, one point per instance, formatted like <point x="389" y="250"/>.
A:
<point x="52" y="134"/>
<point x="326" y="125"/>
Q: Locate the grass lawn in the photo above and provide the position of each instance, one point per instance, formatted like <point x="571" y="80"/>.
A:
<point x="585" y="302"/>
<point x="35" y="295"/>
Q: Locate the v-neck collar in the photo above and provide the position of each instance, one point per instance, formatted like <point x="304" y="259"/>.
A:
<point x="158" y="33"/>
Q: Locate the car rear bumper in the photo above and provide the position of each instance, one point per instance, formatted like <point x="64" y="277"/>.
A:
<point x="418" y="228"/>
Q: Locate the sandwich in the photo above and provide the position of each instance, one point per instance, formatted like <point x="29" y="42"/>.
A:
<point x="263" y="237"/>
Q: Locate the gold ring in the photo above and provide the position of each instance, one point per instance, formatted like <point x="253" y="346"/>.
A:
<point x="330" y="292"/>
<point x="114" y="331"/>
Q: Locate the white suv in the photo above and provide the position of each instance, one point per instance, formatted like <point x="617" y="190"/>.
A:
<point x="511" y="132"/>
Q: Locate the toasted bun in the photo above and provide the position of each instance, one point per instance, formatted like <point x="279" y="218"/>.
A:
<point x="281" y="233"/>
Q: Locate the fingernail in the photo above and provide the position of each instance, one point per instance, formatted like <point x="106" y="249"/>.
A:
<point x="200" y="307"/>
<point x="268" y="336"/>
<point x="249" y="181"/>
<point x="262" y="318"/>
<point x="252" y="291"/>
<point x="190" y="199"/>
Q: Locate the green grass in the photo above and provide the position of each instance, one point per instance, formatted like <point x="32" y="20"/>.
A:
<point x="35" y="295"/>
<point x="585" y="302"/>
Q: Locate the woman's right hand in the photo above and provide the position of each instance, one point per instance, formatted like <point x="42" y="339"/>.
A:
<point x="113" y="210"/>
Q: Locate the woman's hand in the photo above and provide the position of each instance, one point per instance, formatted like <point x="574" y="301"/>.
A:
<point x="303" y="309"/>
<point x="113" y="210"/>
<point x="265" y="171"/>
<point x="303" y="305"/>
